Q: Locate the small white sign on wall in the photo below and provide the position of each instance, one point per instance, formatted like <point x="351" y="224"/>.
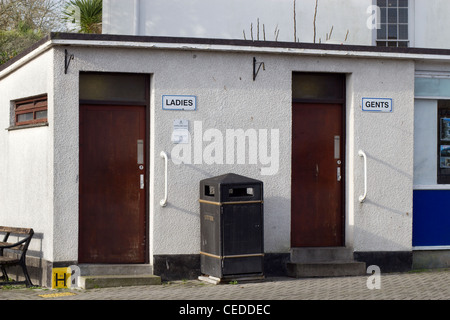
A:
<point x="377" y="104"/>
<point x="176" y="102"/>
<point x="180" y="133"/>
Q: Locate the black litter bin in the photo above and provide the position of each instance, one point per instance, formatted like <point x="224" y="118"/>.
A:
<point x="232" y="240"/>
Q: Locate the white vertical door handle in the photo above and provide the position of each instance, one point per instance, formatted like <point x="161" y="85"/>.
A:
<point x="163" y="202"/>
<point x="362" y="154"/>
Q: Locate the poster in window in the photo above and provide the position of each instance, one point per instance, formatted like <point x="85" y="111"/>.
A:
<point x="445" y="156"/>
<point x="445" y="129"/>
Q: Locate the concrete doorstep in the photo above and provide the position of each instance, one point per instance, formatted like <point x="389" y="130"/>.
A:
<point x="108" y="281"/>
<point x="116" y="275"/>
<point x="326" y="269"/>
<point x="324" y="262"/>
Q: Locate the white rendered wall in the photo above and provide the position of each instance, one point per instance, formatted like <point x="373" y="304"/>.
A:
<point x="66" y="146"/>
<point x="430" y="24"/>
<point x="26" y="157"/>
<point x="230" y="19"/>
<point x="228" y="98"/>
<point x="384" y="221"/>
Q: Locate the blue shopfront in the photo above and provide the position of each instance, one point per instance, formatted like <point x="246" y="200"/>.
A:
<point x="431" y="221"/>
<point x="431" y="204"/>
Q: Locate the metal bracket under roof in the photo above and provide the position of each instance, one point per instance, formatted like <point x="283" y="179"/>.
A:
<point x="255" y="70"/>
<point x="67" y="59"/>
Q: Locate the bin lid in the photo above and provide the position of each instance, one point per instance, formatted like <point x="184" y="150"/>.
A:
<point x="231" y="178"/>
<point x="217" y="189"/>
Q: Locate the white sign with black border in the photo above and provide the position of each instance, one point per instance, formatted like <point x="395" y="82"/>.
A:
<point x="179" y="102"/>
<point x="377" y="104"/>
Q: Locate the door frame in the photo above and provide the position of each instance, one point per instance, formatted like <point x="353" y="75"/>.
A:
<point x="342" y="102"/>
<point x="146" y="105"/>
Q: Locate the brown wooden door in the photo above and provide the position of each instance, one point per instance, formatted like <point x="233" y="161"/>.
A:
<point x="112" y="197"/>
<point x="317" y="175"/>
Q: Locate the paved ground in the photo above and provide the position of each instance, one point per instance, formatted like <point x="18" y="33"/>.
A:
<point x="273" y="298"/>
<point x="425" y="285"/>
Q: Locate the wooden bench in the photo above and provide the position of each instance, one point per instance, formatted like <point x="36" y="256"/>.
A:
<point x="18" y="252"/>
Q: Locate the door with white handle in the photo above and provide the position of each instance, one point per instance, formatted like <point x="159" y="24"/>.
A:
<point x="113" y="197"/>
<point x="317" y="183"/>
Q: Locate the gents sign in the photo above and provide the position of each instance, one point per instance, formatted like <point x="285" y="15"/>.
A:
<point x="179" y="102"/>
<point x="377" y="104"/>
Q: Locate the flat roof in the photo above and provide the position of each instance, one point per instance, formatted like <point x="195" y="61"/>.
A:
<point x="241" y="43"/>
<point x="184" y="43"/>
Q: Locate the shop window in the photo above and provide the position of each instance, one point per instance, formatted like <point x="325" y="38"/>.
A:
<point x="30" y="111"/>
<point x="443" y="174"/>
<point x="393" y="31"/>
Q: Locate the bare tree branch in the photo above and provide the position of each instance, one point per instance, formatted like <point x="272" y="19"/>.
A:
<point x="314" y="22"/>
<point x="37" y="15"/>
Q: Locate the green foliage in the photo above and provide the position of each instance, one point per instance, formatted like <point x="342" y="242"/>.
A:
<point x="23" y="22"/>
<point x="27" y="15"/>
<point x="13" y="42"/>
<point x="85" y="15"/>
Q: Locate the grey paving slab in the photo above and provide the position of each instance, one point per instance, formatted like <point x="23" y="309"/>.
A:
<point x="429" y="285"/>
